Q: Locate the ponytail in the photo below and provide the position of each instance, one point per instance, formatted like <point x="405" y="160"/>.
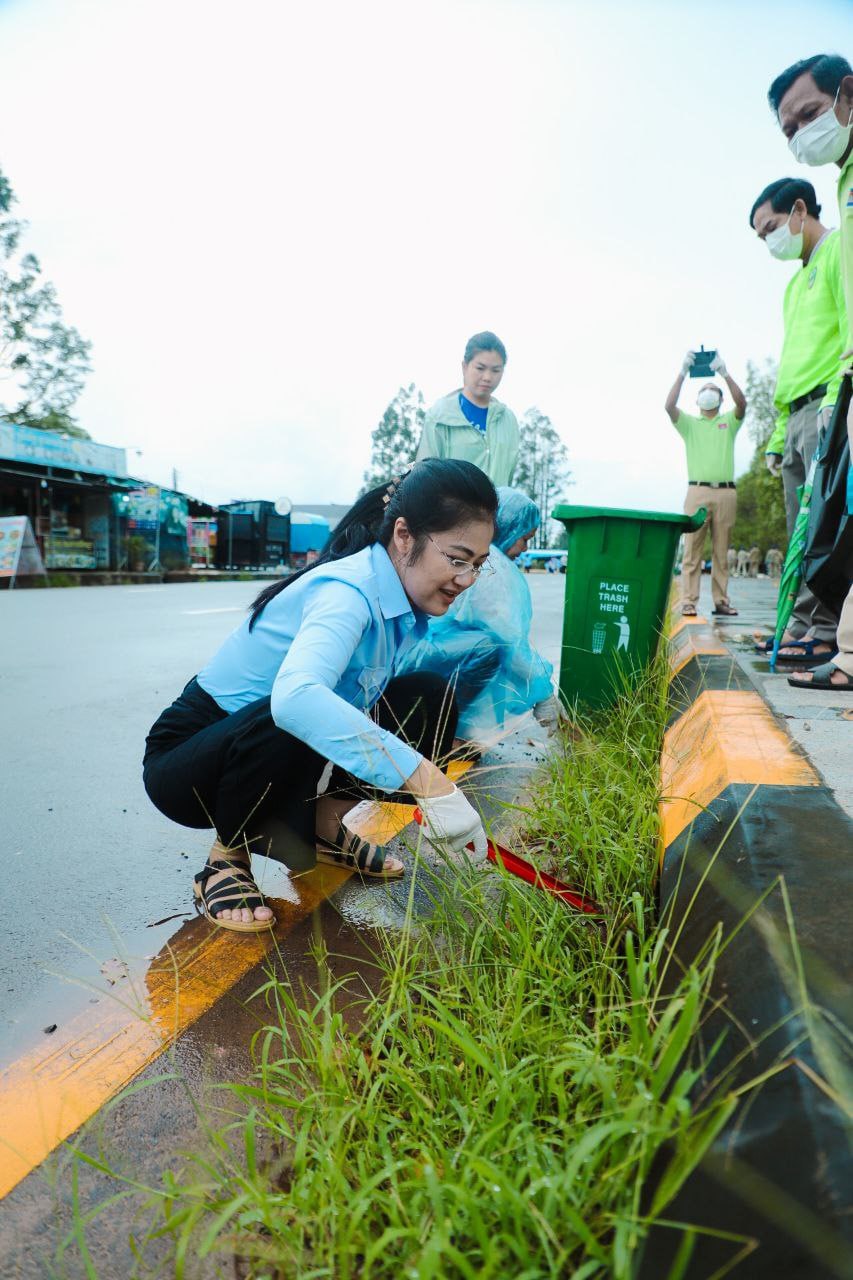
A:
<point x="433" y="495"/>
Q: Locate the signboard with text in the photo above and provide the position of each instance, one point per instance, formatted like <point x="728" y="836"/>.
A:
<point x="142" y="507"/>
<point x="48" y="449"/>
<point x="612" y="614"/>
<point x="19" y="553"/>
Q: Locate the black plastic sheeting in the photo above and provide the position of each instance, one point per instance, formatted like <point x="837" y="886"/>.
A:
<point x="780" y="1173"/>
<point x="828" y="560"/>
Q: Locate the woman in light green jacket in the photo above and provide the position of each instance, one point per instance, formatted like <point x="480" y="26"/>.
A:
<point x="470" y="424"/>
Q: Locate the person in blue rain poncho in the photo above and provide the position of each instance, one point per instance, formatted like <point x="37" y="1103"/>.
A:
<point x="483" y="641"/>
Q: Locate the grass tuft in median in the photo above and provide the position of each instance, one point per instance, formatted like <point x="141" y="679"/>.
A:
<point x="495" y="1107"/>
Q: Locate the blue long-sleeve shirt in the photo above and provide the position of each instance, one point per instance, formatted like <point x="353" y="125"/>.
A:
<point x="323" y="650"/>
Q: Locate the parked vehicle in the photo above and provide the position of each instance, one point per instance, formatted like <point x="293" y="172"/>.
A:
<point x="552" y="560"/>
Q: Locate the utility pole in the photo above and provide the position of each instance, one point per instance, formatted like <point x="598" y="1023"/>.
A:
<point x="155" y="563"/>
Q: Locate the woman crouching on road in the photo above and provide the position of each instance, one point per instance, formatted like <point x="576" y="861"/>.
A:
<point x="308" y="678"/>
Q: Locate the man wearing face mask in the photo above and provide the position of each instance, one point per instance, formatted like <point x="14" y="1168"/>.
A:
<point x="786" y="216"/>
<point x="710" y="444"/>
<point x="813" y="104"/>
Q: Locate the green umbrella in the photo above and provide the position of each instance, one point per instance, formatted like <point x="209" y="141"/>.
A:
<point x="792" y="569"/>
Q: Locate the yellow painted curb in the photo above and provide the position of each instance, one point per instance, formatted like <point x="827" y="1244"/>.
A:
<point x="696" y="641"/>
<point x="48" y="1093"/>
<point x="678" y="623"/>
<point x="725" y="736"/>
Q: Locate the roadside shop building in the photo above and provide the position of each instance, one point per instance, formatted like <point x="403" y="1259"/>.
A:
<point x="85" y="510"/>
<point x="65" y="487"/>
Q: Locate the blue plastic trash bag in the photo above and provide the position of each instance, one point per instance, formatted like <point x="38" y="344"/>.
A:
<point x="483" y="641"/>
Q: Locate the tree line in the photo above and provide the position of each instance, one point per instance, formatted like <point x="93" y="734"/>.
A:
<point x="542" y="471"/>
<point x="760" y="497"/>
<point x="44" y="362"/>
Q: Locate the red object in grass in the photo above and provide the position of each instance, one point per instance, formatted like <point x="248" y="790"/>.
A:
<point x="524" y="870"/>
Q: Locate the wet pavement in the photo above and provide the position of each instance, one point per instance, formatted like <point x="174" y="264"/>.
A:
<point x="820" y="721"/>
<point x="108" y="975"/>
<point x="99" y="878"/>
<point x="94" y="869"/>
<point x="175" y="1103"/>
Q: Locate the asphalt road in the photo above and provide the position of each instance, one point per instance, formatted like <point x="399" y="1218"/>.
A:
<point x="89" y="864"/>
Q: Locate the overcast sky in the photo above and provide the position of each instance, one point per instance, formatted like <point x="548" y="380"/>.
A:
<point x="268" y="216"/>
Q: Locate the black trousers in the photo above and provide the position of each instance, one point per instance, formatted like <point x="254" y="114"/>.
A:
<point x="255" y="784"/>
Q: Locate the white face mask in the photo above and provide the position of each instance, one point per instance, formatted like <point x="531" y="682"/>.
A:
<point x="782" y="243"/>
<point x="708" y="399"/>
<point x="823" y="140"/>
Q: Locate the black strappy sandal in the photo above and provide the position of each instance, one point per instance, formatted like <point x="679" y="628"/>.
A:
<point x="230" y="894"/>
<point x="357" y="855"/>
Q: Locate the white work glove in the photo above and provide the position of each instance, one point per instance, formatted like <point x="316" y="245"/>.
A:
<point x="774" y="463"/>
<point x="687" y="363"/>
<point x="718" y="365"/>
<point x="452" y="821"/>
<point x="549" y="712"/>
<point x="824" y="417"/>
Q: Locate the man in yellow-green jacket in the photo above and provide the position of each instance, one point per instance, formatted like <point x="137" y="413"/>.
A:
<point x="813" y="103"/>
<point x="470" y="424"/>
<point x="786" y="217"/>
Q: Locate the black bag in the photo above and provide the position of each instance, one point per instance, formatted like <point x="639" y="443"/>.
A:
<point x="828" y="560"/>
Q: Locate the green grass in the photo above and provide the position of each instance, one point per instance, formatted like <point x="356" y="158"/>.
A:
<point x="494" y="1109"/>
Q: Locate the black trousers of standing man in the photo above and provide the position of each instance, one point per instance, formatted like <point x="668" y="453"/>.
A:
<point x="256" y="784"/>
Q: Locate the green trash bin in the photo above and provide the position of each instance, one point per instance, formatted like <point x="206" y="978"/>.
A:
<point x="618" y="578"/>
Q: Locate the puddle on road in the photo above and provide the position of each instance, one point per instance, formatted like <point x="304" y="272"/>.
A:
<point x="88" y="988"/>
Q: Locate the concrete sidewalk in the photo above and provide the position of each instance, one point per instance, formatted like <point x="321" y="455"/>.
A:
<point x="819" y="721"/>
<point x="756" y="853"/>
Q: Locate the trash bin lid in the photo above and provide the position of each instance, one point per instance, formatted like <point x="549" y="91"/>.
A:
<point x="566" y="512"/>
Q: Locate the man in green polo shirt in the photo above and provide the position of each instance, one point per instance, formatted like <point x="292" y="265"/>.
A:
<point x="786" y="216"/>
<point x="710" y="444"/>
<point x="813" y="103"/>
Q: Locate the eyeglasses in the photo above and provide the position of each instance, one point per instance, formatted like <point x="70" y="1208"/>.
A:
<point x="461" y="568"/>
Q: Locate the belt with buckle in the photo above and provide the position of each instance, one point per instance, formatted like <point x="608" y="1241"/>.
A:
<point x="816" y="393"/>
<point x="714" y="484"/>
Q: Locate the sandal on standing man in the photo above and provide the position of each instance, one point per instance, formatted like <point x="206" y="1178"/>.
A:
<point x="710" y="444"/>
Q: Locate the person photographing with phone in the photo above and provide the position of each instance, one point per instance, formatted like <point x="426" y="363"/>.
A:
<point x="709" y="440"/>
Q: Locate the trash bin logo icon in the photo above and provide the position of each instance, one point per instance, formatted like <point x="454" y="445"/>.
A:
<point x="599" y="634"/>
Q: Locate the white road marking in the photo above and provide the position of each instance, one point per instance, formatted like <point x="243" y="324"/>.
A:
<point x="232" y="608"/>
